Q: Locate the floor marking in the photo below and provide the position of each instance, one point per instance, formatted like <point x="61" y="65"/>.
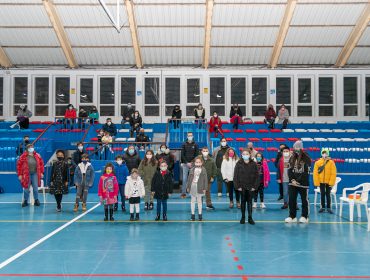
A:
<point x="46" y="237"/>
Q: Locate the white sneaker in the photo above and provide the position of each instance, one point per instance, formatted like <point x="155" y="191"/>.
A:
<point x="303" y="220"/>
<point x="289" y="220"/>
<point x="254" y="204"/>
<point x="219" y="194"/>
<point x="227" y="194"/>
<point x="263" y="206"/>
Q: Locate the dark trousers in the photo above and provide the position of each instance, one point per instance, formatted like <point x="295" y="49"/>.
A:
<point x="246" y="202"/>
<point x="134" y="129"/>
<point x="160" y="203"/>
<point x="58" y="199"/>
<point x="285" y="124"/>
<point x="231" y="190"/>
<point x="260" y="191"/>
<point x="281" y="189"/>
<point x="176" y="124"/>
<point x="325" y="193"/>
<point x="236" y="123"/>
<point x="121" y="188"/>
<point x="271" y="122"/>
<point x="293" y="194"/>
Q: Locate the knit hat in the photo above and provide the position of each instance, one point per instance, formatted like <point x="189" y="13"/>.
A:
<point x="298" y="145"/>
<point x="325" y="150"/>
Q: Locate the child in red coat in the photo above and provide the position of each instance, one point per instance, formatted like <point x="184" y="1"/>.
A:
<point x="215" y="125"/>
<point x="108" y="191"/>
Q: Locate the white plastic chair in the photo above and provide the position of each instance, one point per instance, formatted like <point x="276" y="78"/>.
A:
<point x="32" y="199"/>
<point x="333" y="192"/>
<point x="362" y="189"/>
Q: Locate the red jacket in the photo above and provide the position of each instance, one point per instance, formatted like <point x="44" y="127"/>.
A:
<point x="23" y="170"/>
<point x="215" y="122"/>
<point x="108" y="186"/>
<point x="269" y="114"/>
<point x="70" y="114"/>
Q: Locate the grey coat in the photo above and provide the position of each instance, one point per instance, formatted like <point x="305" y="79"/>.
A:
<point x="202" y="182"/>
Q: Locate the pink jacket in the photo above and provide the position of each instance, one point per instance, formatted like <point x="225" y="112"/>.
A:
<point x="266" y="174"/>
<point x="108" y="187"/>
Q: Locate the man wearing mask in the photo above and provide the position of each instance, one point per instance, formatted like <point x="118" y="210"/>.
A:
<point x="22" y="146"/>
<point x="176" y="116"/>
<point x="141" y="137"/>
<point x="218" y="155"/>
<point x="132" y="158"/>
<point x="110" y="127"/>
<point x="77" y="155"/>
<point x="210" y="166"/>
<point x="189" y="151"/>
<point x="127" y="114"/>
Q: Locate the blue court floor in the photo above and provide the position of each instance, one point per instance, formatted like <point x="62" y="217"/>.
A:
<point x="329" y="247"/>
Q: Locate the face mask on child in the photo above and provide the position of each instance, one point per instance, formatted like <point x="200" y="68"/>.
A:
<point x="324" y="155"/>
<point x="259" y="159"/>
<point x="131" y="151"/>
<point x="163" y="150"/>
<point x="149" y="156"/>
<point x="119" y="162"/>
<point x="84" y="161"/>
<point x="286" y="154"/>
<point x="163" y="168"/>
<point x="108" y="171"/>
<point x="31" y="150"/>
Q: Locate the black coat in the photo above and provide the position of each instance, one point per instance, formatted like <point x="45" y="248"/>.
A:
<point x="112" y="129"/>
<point x="246" y="175"/>
<point x="142" y="138"/>
<point x="167" y="158"/>
<point x="189" y="151"/>
<point x="300" y="169"/>
<point x="134" y="121"/>
<point x="76" y="157"/>
<point x="220" y="156"/>
<point x="59" y="185"/>
<point x="176" y="114"/>
<point x="162" y="185"/>
<point x="127" y="113"/>
<point x="132" y="161"/>
<point x="233" y="112"/>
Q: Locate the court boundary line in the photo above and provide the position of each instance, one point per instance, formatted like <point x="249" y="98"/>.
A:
<point x="46" y="237"/>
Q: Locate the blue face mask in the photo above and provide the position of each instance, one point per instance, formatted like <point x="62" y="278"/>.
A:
<point x="245" y="157"/>
<point x="259" y="158"/>
<point x="131" y="151"/>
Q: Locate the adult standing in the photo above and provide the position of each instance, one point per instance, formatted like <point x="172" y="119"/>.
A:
<point x="147" y="168"/>
<point x="176" y="116"/>
<point x="59" y="179"/>
<point x="23" y="117"/>
<point x="218" y="155"/>
<point x="22" y="146"/>
<point x="77" y="155"/>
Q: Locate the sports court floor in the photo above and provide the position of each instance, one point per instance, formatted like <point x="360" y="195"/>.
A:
<point x="38" y="243"/>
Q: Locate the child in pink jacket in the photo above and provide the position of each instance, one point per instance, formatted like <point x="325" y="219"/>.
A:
<point x="108" y="191"/>
<point x="264" y="172"/>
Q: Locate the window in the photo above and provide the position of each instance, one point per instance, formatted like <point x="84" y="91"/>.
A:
<point x="350" y="96"/>
<point x="284" y="92"/>
<point x="1" y="96"/>
<point x="326" y="91"/>
<point x="107" y="96"/>
<point x="193" y="95"/>
<point x="259" y="96"/>
<point x="20" y="93"/>
<point x="61" y="95"/>
<point x="217" y="96"/>
<point x="172" y="94"/>
<point x="238" y="96"/>
<point x="128" y="93"/>
<point x="367" y="86"/>
<point x="86" y="91"/>
<point x="41" y="96"/>
<point x="304" y="108"/>
<point x="152" y="97"/>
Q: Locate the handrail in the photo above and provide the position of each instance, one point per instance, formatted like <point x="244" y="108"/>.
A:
<point x="38" y="138"/>
<point x="166" y="137"/>
<point x="86" y="132"/>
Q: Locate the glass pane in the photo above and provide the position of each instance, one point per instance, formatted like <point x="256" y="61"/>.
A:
<point x="289" y="108"/>
<point x="350" y="90"/>
<point x="60" y="110"/>
<point x="367" y="110"/>
<point x="283" y="91"/>
<point x="242" y="108"/>
<point x="219" y="109"/>
<point x="87" y="108"/>
<point x="350" y="110"/>
<point x="20" y="90"/>
<point x="128" y="90"/>
<point x="41" y="110"/>
<point x="172" y="90"/>
<point x="193" y="90"/>
<point x="151" y="111"/>
<point x="87" y="90"/>
<point x="217" y="91"/>
<point x="42" y="90"/>
<point x="304" y="111"/>
<point x="124" y="109"/>
<point x="190" y="111"/>
<point x="238" y="91"/>
<point x="259" y="91"/>
<point x="1" y="110"/>
<point x="1" y="91"/>
<point x="304" y="90"/>
<point x="106" y="91"/>
<point x="325" y="111"/>
<point x="168" y="110"/>
<point x="62" y="90"/>
<point x="151" y="91"/>
<point x="325" y="91"/>
<point x="107" y="111"/>
<point x="258" y="111"/>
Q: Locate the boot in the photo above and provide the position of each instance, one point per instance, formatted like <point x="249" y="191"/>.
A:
<point x="25" y="203"/>
<point x="131" y="217"/>
<point x="146" y="207"/>
<point x="164" y="217"/>
<point x="158" y="217"/>
<point x="151" y="206"/>
<point x="115" y="207"/>
<point x="242" y="220"/>
<point x="75" y="209"/>
<point x="200" y="217"/>
<point x="105" y="215"/>
<point x="123" y="207"/>
<point x="192" y="218"/>
<point x="111" y="215"/>
<point x="250" y="220"/>
<point x="37" y="202"/>
<point x="84" y="207"/>
<point x="137" y="218"/>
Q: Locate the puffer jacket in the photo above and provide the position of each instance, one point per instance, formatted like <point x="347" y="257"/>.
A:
<point x="134" y="188"/>
<point x="327" y="176"/>
<point x="246" y="175"/>
<point x="23" y="170"/>
<point x="132" y="161"/>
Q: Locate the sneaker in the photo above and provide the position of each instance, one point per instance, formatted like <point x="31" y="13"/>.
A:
<point x="322" y="210"/>
<point x="164" y="217"/>
<point x="158" y="217"/>
<point x="146" y="207"/>
<point x="210" y="207"/>
<point x="151" y="206"/>
<point x="132" y="217"/>
<point x="219" y="194"/>
<point x="25" y="203"/>
<point x="303" y="220"/>
<point x="59" y="209"/>
<point x="37" y="202"/>
<point x="250" y="221"/>
<point x="227" y="194"/>
<point x="192" y="218"/>
<point x="105" y="218"/>
<point x="254" y="205"/>
<point x="330" y="211"/>
<point x="263" y="206"/>
<point x="137" y="217"/>
<point x="289" y="220"/>
<point x="231" y="205"/>
<point x="280" y="198"/>
<point x="285" y="206"/>
<point x="242" y="221"/>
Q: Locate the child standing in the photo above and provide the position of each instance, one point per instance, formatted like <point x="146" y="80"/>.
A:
<point x="227" y="170"/>
<point x="264" y="173"/>
<point x="197" y="185"/>
<point x="83" y="179"/>
<point x="147" y="168"/>
<point x="162" y="185"/>
<point x="108" y="191"/>
<point x="122" y="173"/>
<point x="59" y="179"/>
<point x="134" y="190"/>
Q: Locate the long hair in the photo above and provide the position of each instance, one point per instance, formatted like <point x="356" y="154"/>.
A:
<point x="226" y="156"/>
<point x="146" y="161"/>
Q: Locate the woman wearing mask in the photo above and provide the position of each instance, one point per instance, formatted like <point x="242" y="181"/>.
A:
<point x="218" y="155"/>
<point x="59" y="179"/>
<point x="147" y="169"/>
<point x="264" y="173"/>
<point x="30" y="171"/>
<point x="23" y="117"/>
<point x="283" y="165"/>
<point x="227" y="170"/>
<point x="94" y="115"/>
<point x="215" y="125"/>
<point x="270" y="116"/>
<point x="70" y="116"/>
<point x="164" y="154"/>
<point x="236" y="116"/>
<point x="246" y="180"/>
<point x="283" y="116"/>
<point x="132" y="158"/>
<point x="199" y="114"/>
<point x="78" y="153"/>
<point x="136" y="122"/>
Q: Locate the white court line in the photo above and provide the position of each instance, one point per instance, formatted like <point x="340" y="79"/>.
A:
<point x="46" y="237"/>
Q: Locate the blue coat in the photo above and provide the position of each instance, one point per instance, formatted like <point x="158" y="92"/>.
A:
<point x="121" y="172"/>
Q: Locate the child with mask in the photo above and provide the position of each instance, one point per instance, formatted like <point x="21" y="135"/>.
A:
<point x="215" y="125"/>
<point x="83" y="179"/>
<point x="59" y="179"/>
<point x="134" y="190"/>
<point x="164" y="154"/>
<point x="227" y="170"/>
<point x="197" y="185"/>
<point x="210" y="166"/>
<point x="147" y="168"/>
<point x="108" y="191"/>
<point x="136" y="122"/>
<point x="264" y="173"/>
<point x="122" y="173"/>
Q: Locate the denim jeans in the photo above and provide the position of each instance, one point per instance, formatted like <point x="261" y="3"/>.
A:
<point x="35" y="187"/>
<point x="285" y="192"/>
<point x="185" y="173"/>
<point x="161" y="202"/>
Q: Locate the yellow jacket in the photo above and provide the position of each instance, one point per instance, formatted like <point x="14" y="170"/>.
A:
<point x="327" y="176"/>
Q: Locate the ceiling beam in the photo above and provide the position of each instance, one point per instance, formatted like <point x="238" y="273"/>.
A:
<point x="354" y="37"/>
<point x="60" y="32"/>
<point x="208" y="28"/>
<point x="283" y="31"/>
<point x="134" y="35"/>
<point x="4" y="59"/>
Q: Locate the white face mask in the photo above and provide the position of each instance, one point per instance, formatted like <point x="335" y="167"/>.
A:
<point x="163" y="168"/>
<point x="109" y="123"/>
<point x="205" y="154"/>
<point x="286" y="154"/>
<point x="324" y="155"/>
<point x="223" y="144"/>
<point x="149" y="156"/>
<point x="31" y="150"/>
<point x="70" y="108"/>
<point x="167" y="151"/>
<point x="136" y="115"/>
<point x="215" y="116"/>
<point x="119" y="162"/>
<point x="163" y="150"/>
<point x="80" y="148"/>
<point x="190" y="138"/>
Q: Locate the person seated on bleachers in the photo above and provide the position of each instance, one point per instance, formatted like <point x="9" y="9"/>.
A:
<point x="106" y="140"/>
<point x="110" y="127"/>
<point x="127" y="114"/>
<point x="82" y="116"/>
<point x="94" y="115"/>
<point x="141" y="137"/>
<point x="23" y="117"/>
<point x="176" y="116"/>
<point x="132" y="158"/>
<point x="70" y="116"/>
<point x="283" y="116"/>
<point x="77" y="155"/>
<point x="199" y="114"/>
<point x="136" y="122"/>
<point x="164" y="154"/>
<point x="22" y="146"/>
<point x="270" y="116"/>
<point x="251" y="150"/>
<point x="215" y="125"/>
<point x="236" y="116"/>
